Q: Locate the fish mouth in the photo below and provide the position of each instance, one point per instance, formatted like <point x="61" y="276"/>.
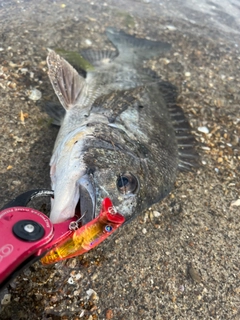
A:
<point x="87" y="199"/>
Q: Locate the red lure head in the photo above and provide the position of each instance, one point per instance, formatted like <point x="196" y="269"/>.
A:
<point x="110" y="213"/>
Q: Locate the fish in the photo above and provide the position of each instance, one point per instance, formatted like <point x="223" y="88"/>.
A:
<point x="121" y="136"/>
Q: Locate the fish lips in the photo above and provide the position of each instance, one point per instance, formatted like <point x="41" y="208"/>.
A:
<point x="87" y="199"/>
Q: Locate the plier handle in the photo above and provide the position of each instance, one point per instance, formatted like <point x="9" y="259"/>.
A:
<point x="26" y="234"/>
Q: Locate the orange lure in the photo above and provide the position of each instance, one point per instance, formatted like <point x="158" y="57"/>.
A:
<point x="88" y="236"/>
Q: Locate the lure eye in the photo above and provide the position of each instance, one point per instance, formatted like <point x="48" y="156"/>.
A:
<point x="127" y="183"/>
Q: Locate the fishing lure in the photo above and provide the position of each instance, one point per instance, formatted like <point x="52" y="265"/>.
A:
<point x="86" y="237"/>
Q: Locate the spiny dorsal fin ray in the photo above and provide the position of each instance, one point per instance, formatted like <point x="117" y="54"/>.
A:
<point x="76" y="60"/>
<point x="99" y="58"/>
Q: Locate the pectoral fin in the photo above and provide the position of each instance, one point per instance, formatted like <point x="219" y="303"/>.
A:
<point x="55" y="111"/>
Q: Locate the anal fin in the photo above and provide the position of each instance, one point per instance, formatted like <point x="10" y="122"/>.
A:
<point x="188" y="156"/>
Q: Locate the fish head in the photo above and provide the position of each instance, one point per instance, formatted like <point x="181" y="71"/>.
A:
<point x="115" y="168"/>
<point x="121" y="169"/>
<point x="132" y="184"/>
<point x="86" y="171"/>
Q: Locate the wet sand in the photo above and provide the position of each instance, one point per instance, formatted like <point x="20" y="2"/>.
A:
<point x="180" y="259"/>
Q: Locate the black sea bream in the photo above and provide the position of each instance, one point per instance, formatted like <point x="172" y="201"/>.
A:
<point x="122" y="136"/>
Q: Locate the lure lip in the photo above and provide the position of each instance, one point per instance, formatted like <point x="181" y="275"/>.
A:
<point x="111" y="213"/>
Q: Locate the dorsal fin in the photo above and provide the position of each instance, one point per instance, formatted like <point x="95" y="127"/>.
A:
<point x="98" y="58"/>
<point x="188" y="157"/>
<point x="76" y="60"/>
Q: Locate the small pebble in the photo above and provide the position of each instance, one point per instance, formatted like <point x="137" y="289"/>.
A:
<point x="91" y="294"/>
<point x="181" y="288"/>
<point x="6" y="299"/>
<point x="16" y="182"/>
<point x="78" y="276"/>
<point x="24" y="71"/>
<point x="82" y="313"/>
<point x="109" y="314"/>
<point x="194" y="273"/>
<point x="70" y="280"/>
<point x="35" y="94"/>
<point x="156" y="214"/>
<point x="27" y="272"/>
<point x="146" y="216"/>
<point x="205" y="148"/>
<point x="171" y="28"/>
<point x="76" y="292"/>
<point x="187" y="74"/>
<point x="235" y="203"/>
<point x="144" y="230"/>
<point x="88" y="42"/>
<point x="94" y="276"/>
<point x="203" y="129"/>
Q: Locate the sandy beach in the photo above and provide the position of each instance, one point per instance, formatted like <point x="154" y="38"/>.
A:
<point x="180" y="259"/>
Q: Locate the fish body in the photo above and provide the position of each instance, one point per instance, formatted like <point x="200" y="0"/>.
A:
<point x="122" y="136"/>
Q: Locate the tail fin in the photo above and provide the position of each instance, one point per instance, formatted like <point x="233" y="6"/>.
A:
<point x="132" y="49"/>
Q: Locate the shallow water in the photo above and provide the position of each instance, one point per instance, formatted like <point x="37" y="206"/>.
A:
<point x="179" y="260"/>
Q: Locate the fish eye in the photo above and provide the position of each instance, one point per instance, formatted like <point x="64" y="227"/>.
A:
<point x="127" y="183"/>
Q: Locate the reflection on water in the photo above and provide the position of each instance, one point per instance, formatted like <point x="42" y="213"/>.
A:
<point x="203" y="16"/>
<point x="136" y="275"/>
